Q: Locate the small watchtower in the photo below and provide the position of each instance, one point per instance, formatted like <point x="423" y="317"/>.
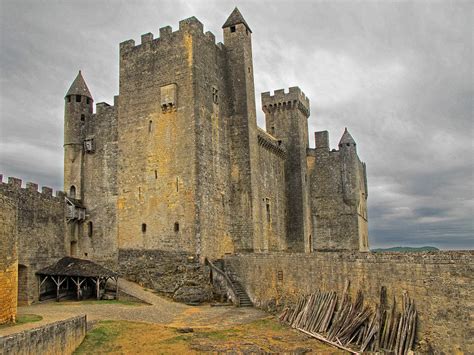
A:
<point x="77" y="113"/>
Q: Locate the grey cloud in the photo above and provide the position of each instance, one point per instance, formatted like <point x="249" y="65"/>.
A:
<point x="397" y="74"/>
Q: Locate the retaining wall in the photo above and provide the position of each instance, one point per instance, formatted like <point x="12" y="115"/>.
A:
<point x="441" y="284"/>
<point x="60" y="338"/>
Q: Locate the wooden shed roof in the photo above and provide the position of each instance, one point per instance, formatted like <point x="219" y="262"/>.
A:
<point x="69" y="266"/>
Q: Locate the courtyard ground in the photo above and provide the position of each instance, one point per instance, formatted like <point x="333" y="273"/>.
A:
<point x="124" y="327"/>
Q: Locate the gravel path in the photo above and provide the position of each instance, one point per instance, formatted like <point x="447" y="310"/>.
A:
<point x="158" y="310"/>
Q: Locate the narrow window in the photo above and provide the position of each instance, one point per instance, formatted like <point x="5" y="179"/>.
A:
<point x="176" y="227"/>
<point x="248" y="69"/>
<point x="139" y="193"/>
<point x="232" y="28"/>
<point x="156" y="174"/>
<point x="88" y="101"/>
<point x="268" y="210"/>
<point x="72" y="191"/>
<point x="348" y="144"/>
<point x="78" y="98"/>
<point x="150" y="126"/>
<point x="68" y="98"/>
<point x="90" y="229"/>
<point x="272" y="130"/>
<point x="83" y="118"/>
<point x="177" y="184"/>
<point x="143" y="227"/>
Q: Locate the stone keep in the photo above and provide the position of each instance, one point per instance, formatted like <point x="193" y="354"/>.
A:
<point x="179" y="163"/>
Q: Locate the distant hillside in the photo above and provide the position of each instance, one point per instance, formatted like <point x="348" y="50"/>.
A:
<point x="405" y="249"/>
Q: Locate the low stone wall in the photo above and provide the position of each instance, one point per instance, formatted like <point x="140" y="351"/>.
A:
<point x="441" y="284"/>
<point x="56" y="338"/>
<point x="176" y="275"/>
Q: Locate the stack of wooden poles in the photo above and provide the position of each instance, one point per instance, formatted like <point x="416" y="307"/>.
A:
<point x="353" y="326"/>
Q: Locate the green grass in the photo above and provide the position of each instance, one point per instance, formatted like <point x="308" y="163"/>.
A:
<point x="23" y="319"/>
<point x="104" y="332"/>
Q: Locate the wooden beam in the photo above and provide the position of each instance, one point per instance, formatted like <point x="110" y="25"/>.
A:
<point x="323" y="339"/>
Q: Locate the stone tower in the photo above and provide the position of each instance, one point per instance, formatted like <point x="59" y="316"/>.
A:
<point x="286" y="117"/>
<point x="77" y="112"/>
<point x="338" y="190"/>
<point x="243" y="131"/>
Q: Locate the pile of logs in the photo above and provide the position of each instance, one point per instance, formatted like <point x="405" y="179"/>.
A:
<point x="353" y="326"/>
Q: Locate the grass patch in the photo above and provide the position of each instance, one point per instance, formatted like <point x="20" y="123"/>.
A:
<point x="23" y="319"/>
<point x="268" y="323"/>
<point x="105" y="332"/>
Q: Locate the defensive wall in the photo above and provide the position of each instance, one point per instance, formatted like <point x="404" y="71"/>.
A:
<point x="8" y="261"/>
<point x="40" y="229"/>
<point x="440" y="283"/>
<point x="61" y="337"/>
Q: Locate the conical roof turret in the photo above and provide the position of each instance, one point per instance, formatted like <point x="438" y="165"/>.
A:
<point x="346" y="138"/>
<point x="79" y="87"/>
<point x="234" y="19"/>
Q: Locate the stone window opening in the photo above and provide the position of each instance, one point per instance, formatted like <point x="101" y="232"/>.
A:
<point x="272" y="130"/>
<point x="72" y="191"/>
<point x="268" y="210"/>
<point x="177" y="184"/>
<point x="232" y="28"/>
<point x="150" y="126"/>
<point x="215" y="96"/>
<point x="83" y="118"/>
<point x="156" y="174"/>
<point x="143" y="227"/>
<point x="176" y="227"/>
<point x="68" y="98"/>
<point x="90" y="229"/>
<point x="88" y="101"/>
<point x="78" y="98"/>
<point x="248" y="69"/>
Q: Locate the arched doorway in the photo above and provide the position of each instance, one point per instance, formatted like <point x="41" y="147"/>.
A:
<point x="22" y="285"/>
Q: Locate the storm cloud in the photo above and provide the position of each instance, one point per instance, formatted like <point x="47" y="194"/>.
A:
<point x="398" y="74"/>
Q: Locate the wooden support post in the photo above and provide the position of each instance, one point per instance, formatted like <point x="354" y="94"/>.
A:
<point x="97" y="286"/>
<point x="116" y="288"/>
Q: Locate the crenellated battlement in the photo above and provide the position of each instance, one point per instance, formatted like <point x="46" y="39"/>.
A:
<point x="15" y="184"/>
<point x="190" y="25"/>
<point x="281" y="100"/>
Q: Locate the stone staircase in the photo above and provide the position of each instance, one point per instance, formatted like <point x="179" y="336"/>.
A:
<point x="244" y="300"/>
<point x="232" y="284"/>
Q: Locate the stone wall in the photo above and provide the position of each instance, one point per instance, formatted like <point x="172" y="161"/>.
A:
<point x="441" y="284"/>
<point x="338" y="197"/>
<point x="273" y="199"/>
<point x="8" y="261"/>
<point x="98" y="237"/>
<point x="60" y="338"/>
<point x="176" y="275"/>
<point x="40" y="226"/>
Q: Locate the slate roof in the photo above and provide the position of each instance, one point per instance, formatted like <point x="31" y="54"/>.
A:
<point x="234" y="19"/>
<point x="69" y="266"/>
<point x="347" y="138"/>
<point x="79" y="87"/>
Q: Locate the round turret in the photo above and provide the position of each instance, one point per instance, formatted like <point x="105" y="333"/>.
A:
<point x="346" y="140"/>
<point x="78" y="109"/>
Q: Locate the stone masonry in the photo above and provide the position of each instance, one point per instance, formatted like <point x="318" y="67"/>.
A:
<point x="8" y="261"/>
<point x="178" y="163"/>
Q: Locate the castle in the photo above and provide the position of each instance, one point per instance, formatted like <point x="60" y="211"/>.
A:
<point x="178" y="170"/>
<point x="179" y="163"/>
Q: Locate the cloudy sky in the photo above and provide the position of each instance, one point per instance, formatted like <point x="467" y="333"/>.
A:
<point x="399" y="75"/>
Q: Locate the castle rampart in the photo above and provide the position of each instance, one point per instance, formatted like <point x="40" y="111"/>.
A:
<point x="40" y="231"/>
